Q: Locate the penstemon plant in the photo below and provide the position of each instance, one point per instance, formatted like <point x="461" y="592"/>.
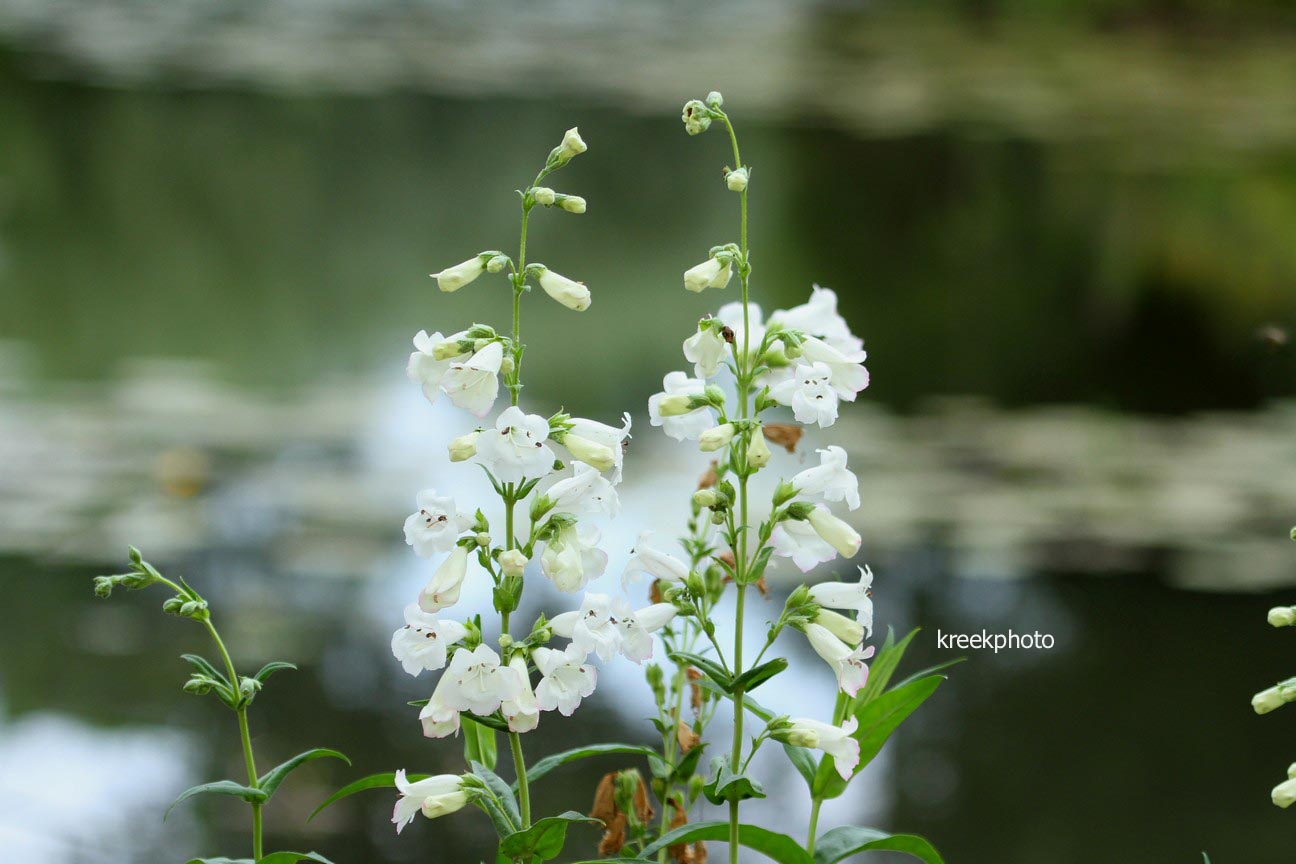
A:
<point x="1272" y="698"/>
<point x="237" y="693"/>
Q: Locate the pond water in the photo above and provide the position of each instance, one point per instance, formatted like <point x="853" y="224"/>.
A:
<point x="1067" y="244"/>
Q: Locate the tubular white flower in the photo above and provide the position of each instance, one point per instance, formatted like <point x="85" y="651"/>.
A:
<point x="711" y="273"/>
<point x="1284" y="794"/>
<point x="836" y="741"/>
<point x="443" y="590"/>
<point x="424" y="368"/>
<point x="847" y="662"/>
<point x="848" y="595"/>
<point x="521" y="712"/>
<point x="658" y="565"/>
<point x="456" y="277"/>
<point x="574" y="295"/>
<point x="516" y="448"/>
<point x="439" y="719"/>
<point x="705" y="349"/>
<point x="592" y="628"/>
<point x="810" y="393"/>
<point x="842" y="537"/>
<point x="610" y="437"/>
<point x="736" y="180"/>
<point x="464" y="447"/>
<point x="424" y="640"/>
<point x="436" y="525"/>
<point x="473" y="384"/>
<point x="433" y="796"/>
<point x="572" y="560"/>
<point x="637" y="627"/>
<point x="572" y="144"/>
<point x="567" y="679"/>
<point x="688" y="423"/>
<point x="716" y="437"/>
<point x="830" y="480"/>
<point x="586" y="491"/>
<point x="818" y="317"/>
<point x="589" y="452"/>
<point x="848" y="375"/>
<point x="479" y="683"/>
<point x="795" y="539"/>
<point x="846" y="629"/>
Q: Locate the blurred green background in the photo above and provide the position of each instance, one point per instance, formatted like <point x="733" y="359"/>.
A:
<point x="1066" y="230"/>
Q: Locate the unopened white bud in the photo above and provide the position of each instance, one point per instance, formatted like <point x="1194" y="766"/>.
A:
<point x="1284" y="794"/>
<point x="572" y="203"/>
<point x="758" y="452"/>
<point x="833" y="531"/>
<point x="572" y="144"/>
<point x="512" y="562"/>
<point x="569" y="293"/>
<point x="846" y="629"/>
<point x="711" y="273"/>
<point x="1282" y="616"/>
<point x="802" y="737"/>
<point x="456" y="277"/>
<point x="464" y="447"/>
<point x="543" y="195"/>
<point x="496" y="264"/>
<point x="716" y="437"/>
<point x="448" y="350"/>
<point x="674" y="405"/>
<point x="1273" y="698"/>
<point x="590" y="452"/>
<point x="714" y="99"/>
<point x="736" y="181"/>
<point x="696" y="117"/>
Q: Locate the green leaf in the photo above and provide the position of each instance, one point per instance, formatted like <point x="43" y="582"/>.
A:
<point x="270" y="781"/>
<point x="931" y="670"/>
<point x="200" y="663"/>
<point x="777" y="847"/>
<point x="839" y="843"/>
<point x="884" y="666"/>
<point x="549" y="763"/>
<point x="504" y="809"/>
<point x="479" y="743"/>
<point x="803" y="761"/>
<point x="292" y="858"/>
<point x="687" y="766"/>
<point x="708" y="667"/>
<point x="877" y="720"/>
<point x="220" y="861"/>
<point x="725" y="785"/>
<point x="756" y="676"/>
<point x="265" y="672"/>
<point x="545" y="838"/>
<point x="373" y="781"/>
<point x="499" y="724"/>
<point x="220" y="787"/>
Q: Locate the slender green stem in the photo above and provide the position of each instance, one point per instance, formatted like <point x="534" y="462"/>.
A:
<point x="524" y="791"/>
<point x="245" y="735"/>
<point x="814" y="825"/>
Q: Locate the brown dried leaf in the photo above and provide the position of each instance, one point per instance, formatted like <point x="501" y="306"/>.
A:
<point x="785" y="435"/>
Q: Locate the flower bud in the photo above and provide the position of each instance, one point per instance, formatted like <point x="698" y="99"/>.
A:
<point x="572" y="203"/>
<point x="714" y="99"/>
<point x="482" y="539"/>
<point x="497" y="263"/>
<point x="736" y="181"/>
<point x="833" y="531"/>
<point x="674" y="405"/>
<point x="591" y="453"/>
<point x="572" y="145"/>
<point x="464" y="447"/>
<point x="456" y="277"/>
<point x="758" y="452"/>
<point x="1284" y="794"/>
<point x="784" y="493"/>
<point x="711" y="273"/>
<point x="199" y="685"/>
<point x="1282" y="616"/>
<point x="512" y="562"/>
<point x="573" y="295"/>
<point x="846" y="629"/>
<point x="696" y="117"/>
<point x="1274" y="697"/>
<point x="543" y="195"/>
<point x="716" y="437"/>
<point x="172" y="605"/>
<point x="706" y="498"/>
<point x="103" y="586"/>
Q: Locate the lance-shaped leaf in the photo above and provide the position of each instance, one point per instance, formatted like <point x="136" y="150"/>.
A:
<point x="884" y="666"/>
<point x="708" y="667"/>
<point x="544" y="839"/>
<point x="219" y="787"/>
<point x="500" y="805"/>
<point x="373" y="781"/>
<point x="265" y="672"/>
<point x="270" y="781"/>
<point x="803" y="761"/>
<point x="479" y="742"/>
<point x="549" y="763"/>
<point x="777" y="847"/>
<point x="758" y="675"/>
<point x="292" y="858"/>
<point x="840" y="843"/>
<point x="220" y="861"/>
<point x="725" y="785"/>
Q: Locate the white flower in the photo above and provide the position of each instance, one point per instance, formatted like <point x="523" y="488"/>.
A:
<point x="1282" y="616"/>
<point x="830" y="479"/>
<point x="836" y="741"/>
<point x="439" y="719"/>
<point x="752" y="331"/>
<point x="464" y="447"/>
<point x="685" y="424"/>
<point x="592" y="628"/>
<point x="572" y="144"/>
<point x="456" y="277"/>
<point x="480" y="684"/>
<point x="521" y="712"/>
<point x="637" y="626"/>
<point x="736" y="180"/>
<point x="810" y="393"/>
<point x="516" y="448"/>
<point x="818" y="317"/>
<point x="589" y="452"/>
<point x="567" y="679"/>
<point x="473" y="384"/>
<point x="711" y="273"/>
<point x="847" y="370"/>
<point x="433" y="796"/>
<point x="573" y="295"/>
<point x="716" y="437"/>
<point x="658" y="565"/>
<point x="847" y="662"/>
<point x="443" y="589"/>
<point x="436" y="525"/>
<point x="848" y="595"/>
<point x="424" y="368"/>
<point x="423" y="641"/>
<point x="586" y="491"/>
<point x="834" y="531"/>
<point x="796" y="539"/>
<point x="611" y="437"/>
<point x="572" y="560"/>
<point x="512" y="562"/>
<point x="705" y="349"/>
<point x="1284" y="794"/>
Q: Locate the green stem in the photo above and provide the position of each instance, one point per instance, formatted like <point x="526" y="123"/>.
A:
<point x="248" y="758"/>
<point x="524" y="791"/>
<point x="814" y="825"/>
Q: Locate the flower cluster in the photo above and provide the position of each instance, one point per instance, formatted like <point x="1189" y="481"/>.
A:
<point x="1273" y="698"/>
